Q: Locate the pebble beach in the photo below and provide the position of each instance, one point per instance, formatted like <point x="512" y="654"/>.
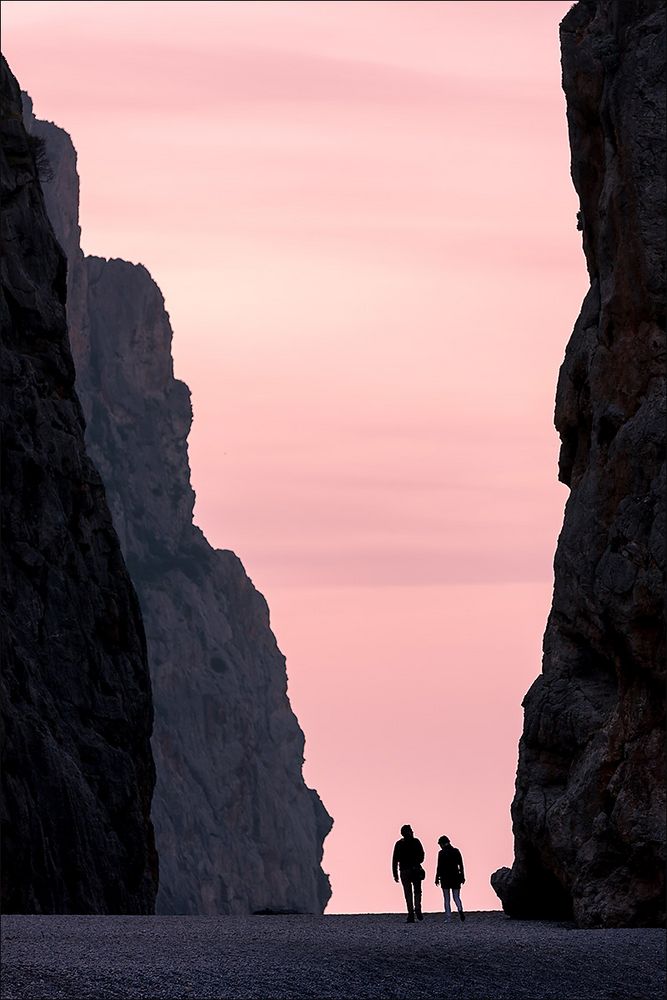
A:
<point x="489" y="957"/>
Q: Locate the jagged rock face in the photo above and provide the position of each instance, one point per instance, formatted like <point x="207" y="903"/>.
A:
<point x="77" y="774"/>
<point x="237" y="829"/>
<point x="589" y="809"/>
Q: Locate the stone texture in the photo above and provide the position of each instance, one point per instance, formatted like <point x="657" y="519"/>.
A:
<point x="77" y="774"/>
<point x="237" y="829"/>
<point x="589" y="808"/>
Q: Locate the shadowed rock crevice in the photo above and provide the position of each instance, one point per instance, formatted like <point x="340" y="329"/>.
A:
<point x="77" y="770"/>
<point x="589" y="809"/>
<point x="237" y="829"/>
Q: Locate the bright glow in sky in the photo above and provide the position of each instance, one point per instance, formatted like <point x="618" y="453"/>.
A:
<point x="361" y="218"/>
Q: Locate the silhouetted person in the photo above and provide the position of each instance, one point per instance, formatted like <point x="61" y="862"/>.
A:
<point x="449" y="875"/>
<point x="408" y="856"/>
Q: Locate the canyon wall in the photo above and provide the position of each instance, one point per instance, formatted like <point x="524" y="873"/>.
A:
<point x="237" y="829"/>
<point x="77" y="770"/>
<point x="589" y="807"/>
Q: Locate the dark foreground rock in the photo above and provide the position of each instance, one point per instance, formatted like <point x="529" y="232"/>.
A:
<point x="589" y="809"/>
<point x="237" y="829"/>
<point x="490" y="957"/>
<point x="77" y="770"/>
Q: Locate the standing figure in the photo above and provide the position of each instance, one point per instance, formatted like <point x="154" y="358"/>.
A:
<point x="450" y="876"/>
<point x="408" y="856"/>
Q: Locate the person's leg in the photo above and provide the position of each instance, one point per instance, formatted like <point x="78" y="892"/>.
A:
<point x="456" y="893"/>
<point x="417" y="883"/>
<point x="448" y="905"/>
<point x="407" y="891"/>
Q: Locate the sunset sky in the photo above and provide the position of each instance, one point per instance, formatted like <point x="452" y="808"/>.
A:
<point x="361" y="218"/>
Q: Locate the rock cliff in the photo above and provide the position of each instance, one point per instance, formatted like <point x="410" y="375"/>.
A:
<point x="77" y="770"/>
<point x="589" y="807"/>
<point x="237" y="829"/>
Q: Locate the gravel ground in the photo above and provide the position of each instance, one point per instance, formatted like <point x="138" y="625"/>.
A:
<point x="489" y="957"/>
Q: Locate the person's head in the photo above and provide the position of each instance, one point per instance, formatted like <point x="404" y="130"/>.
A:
<point x="406" y="831"/>
<point x="444" y="841"/>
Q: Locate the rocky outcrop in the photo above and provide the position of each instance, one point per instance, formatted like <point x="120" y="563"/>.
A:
<point x="237" y="829"/>
<point x="77" y="770"/>
<point x="589" y="808"/>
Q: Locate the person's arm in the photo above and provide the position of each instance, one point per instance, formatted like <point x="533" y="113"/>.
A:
<point x="463" y="874"/>
<point x="419" y="853"/>
<point x="394" y="863"/>
<point x="437" y="869"/>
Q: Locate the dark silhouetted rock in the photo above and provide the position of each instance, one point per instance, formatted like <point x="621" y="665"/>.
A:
<point x="237" y="829"/>
<point x="589" y="808"/>
<point x="77" y="770"/>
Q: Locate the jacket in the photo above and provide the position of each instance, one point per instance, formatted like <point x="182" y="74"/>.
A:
<point x="408" y="855"/>
<point x="449" y="872"/>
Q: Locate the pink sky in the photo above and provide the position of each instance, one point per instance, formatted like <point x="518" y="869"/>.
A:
<point x="361" y="218"/>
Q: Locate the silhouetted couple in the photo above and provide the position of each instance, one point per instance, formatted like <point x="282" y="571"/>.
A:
<point x="407" y="859"/>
